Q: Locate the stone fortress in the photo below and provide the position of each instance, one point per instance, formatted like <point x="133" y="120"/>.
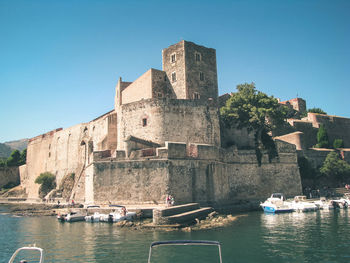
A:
<point x="163" y="137"/>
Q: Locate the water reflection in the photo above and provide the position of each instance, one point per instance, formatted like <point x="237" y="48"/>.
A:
<point x="306" y="236"/>
<point x="295" y="237"/>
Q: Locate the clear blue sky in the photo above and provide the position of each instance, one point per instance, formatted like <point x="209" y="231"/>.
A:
<point x="60" y="60"/>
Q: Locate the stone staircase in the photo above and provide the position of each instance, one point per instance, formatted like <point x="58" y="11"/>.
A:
<point x="180" y="214"/>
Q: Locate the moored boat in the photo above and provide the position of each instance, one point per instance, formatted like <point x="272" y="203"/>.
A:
<point x="276" y="204"/>
<point x="74" y="217"/>
<point x="94" y="218"/>
<point x="300" y="204"/>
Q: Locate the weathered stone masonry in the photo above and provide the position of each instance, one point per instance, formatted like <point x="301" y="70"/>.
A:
<point x="163" y="137"/>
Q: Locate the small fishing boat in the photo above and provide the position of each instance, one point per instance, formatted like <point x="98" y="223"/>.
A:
<point x="276" y="204"/>
<point x="185" y="243"/>
<point x="300" y="204"/>
<point x="34" y="248"/>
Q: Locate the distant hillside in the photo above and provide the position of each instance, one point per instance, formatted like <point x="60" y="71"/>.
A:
<point x="5" y="150"/>
<point x="18" y="145"/>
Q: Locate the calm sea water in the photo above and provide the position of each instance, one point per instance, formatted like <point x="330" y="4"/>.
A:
<point x="322" y="236"/>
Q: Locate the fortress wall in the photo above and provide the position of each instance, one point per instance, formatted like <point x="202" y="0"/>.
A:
<point x="206" y="181"/>
<point x="161" y="87"/>
<point x="296" y="138"/>
<point x="310" y="132"/>
<point x="130" y="181"/>
<point x="337" y="127"/>
<point x="63" y="151"/>
<point x="234" y="136"/>
<point x="199" y="122"/>
<point x="9" y="175"/>
<point x="140" y="89"/>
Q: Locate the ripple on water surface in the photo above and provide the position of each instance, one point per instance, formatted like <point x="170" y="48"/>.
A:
<point x="321" y="236"/>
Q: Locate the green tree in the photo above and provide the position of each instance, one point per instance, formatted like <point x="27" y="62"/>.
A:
<point x="338" y="143"/>
<point x="14" y="159"/>
<point x="2" y="162"/>
<point x="47" y="181"/>
<point x="23" y="157"/>
<point x="316" y="110"/>
<point x="322" y="138"/>
<point x="335" y="167"/>
<point x="257" y="112"/>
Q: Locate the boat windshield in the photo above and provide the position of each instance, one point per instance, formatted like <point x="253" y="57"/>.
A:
<point x="277" y="195"/>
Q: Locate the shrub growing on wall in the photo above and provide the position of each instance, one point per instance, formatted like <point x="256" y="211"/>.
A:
<point x="322" y="138"/>
<point x="317" y="110"/>
<point x="338" y="143"/>
<point x="47" y="181"/>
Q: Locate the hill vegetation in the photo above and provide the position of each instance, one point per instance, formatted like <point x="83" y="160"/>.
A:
<point x="5" y="150"/>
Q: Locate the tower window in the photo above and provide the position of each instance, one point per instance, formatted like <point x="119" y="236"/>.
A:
<point x="198" y="56"/>
<point x="173" y="58"/>
<point x="196" y="96"/>
<point x="201" y="76"/>
<point x="173" y="77"/>
<point x="144" y="122"/>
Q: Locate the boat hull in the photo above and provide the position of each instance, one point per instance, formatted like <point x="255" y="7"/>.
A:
<point x="273" y="210"/>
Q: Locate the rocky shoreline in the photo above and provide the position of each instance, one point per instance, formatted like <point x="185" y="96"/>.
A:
<point x="212" y="221"/>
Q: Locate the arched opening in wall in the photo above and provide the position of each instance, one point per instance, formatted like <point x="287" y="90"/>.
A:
<point x="84" y="155"/>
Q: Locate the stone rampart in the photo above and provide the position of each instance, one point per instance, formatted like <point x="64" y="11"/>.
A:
<point x="337" y="127"/>
<point x="65" y="151"/>
<point x="9" y="175"/>
<point x="204" y="178"/>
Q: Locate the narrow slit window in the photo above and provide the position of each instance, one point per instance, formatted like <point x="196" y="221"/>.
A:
<point x="196" y="96"/>
<point x="173" y="77"/>
<point x="173" y="58"/>
<point x="198" y="57"/>
<point x="201" y="76"/>
<point x="144" y="122"/>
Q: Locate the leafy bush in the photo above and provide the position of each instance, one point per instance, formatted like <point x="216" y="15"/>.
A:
<point x="334" y="166"/>
<point x="338" y="143"/>
<point x="317" y="110"/>
<point x="322" y="138"/>
<point x="47" y="181"/>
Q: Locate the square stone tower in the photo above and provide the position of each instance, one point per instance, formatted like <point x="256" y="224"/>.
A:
<point x="191" y="70"/>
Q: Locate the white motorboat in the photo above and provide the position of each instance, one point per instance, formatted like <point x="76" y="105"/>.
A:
<point x="94" y="218"/>
<point x="300" y="204"/>
<point x="34" y="248"/>
<point x="324" y="204"/>
<point x="74" y="217"/>
<point x="276" y="204"/>
<point x="185" y="243"/>
<point x="118" y="216"/>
